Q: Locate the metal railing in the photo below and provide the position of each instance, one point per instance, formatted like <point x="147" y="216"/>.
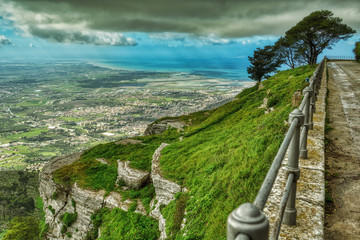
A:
<point x="248" y="222"/>
<point x="340" y="57"/>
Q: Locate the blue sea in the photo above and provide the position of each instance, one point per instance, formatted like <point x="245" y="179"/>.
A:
<point x="225" y="68"/>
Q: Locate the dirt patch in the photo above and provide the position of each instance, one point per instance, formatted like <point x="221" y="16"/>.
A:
<point x="129" y="141"/>
<point x="342" y="220"/>
<point x="102" y="160"/>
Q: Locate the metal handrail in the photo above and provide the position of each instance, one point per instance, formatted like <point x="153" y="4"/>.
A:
<point x="248" y="222"/>
<point x="278" y="221"/>
<point x="266" y="187"/>
<point x="340" y="57"/>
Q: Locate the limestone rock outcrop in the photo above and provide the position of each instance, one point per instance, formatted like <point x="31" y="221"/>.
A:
<point x="165" y="191"/>
<point x="157" y="128"/>
<point x="59" y="200"/>
<point x="133" y="178"/>
<point x="164" y="188"/>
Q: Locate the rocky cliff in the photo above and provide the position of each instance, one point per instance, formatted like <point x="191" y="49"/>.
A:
<point x="68" y="209"/>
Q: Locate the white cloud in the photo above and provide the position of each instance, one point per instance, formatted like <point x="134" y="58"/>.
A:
<point x="188" y="40"/>
<point x="52" y="28"/>
<point x="165" y="20"/>
<point x="4" y="41"/>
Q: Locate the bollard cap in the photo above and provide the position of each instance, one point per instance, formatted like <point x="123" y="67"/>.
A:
<point x="307" y="89"/>
<point x="296" y="113"/>
<point x="248" y="213"/>
<point x="249" y="220"/>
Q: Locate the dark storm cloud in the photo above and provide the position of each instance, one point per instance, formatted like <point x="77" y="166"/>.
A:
<point x="223" y="18"/>
<point x="4" y="41"/>
<point x="82" y="37"/>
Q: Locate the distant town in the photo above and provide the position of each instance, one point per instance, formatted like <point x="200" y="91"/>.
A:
<point x="54" y="109"/>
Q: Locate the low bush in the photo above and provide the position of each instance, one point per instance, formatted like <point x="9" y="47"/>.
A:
<point x="118" y="224"/>
<point x="357" y="51"/>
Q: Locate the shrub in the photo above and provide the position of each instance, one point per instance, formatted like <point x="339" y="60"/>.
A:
<point x="357" y="51"/>
<point x="55" y="195"/>
<point x="52" y="210"/>
<point x="68" y="218"/>
<point x="118" y="224"/>
<point x="21" y="228"/>
<point x="73" y="203"/>
<point x="272" y="102"/>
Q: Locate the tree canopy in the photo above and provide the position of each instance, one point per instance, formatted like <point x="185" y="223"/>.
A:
<point x="23" y="228"/>
<point x="263" y="62"/>
<point x="286" y="50"/>
<point x="356" y="51"/>
<point x="316" y="32"/>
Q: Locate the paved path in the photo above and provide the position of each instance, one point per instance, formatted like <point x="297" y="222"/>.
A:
<point x="342" y="220"/>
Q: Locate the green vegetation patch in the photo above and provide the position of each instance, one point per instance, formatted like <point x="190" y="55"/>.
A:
<point x="23" y="228"/>
<point x="356" y="51"/>
<point x="30" y="134"/>
<point x="32" y="227"/>
<point x="191" y="119"/>
<point x="118" y="224"/>
<point x="8" y="125"/>
<point x="92" y="174"/>
<point x="68" y="218"/>
<point x="174" y="214"/>
<point x="146" y="194"/>
<point x="224" y="159"/>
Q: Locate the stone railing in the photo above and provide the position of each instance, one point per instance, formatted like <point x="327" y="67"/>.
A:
<point x="248" y="221"/>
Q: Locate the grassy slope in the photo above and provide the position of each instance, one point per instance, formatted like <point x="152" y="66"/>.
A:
<point x="222" y="160"/>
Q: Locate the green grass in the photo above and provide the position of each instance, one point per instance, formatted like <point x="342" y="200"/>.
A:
<point x="90" y="173"/>
<point x="146" y="194"/>
<point x="71" y="119"/>
<point x="32" y="133"/>
<point x="43" y="226"/>
<point x="174" y="214"/>
<point x="222" y="160"/>
<point x="118" y="224"/>
<point x="68" y="218"/>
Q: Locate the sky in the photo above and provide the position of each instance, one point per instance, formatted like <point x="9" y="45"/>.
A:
<point x="114" y="29"/>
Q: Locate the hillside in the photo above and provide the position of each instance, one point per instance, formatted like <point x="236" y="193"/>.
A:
<point x="215" y="161"/>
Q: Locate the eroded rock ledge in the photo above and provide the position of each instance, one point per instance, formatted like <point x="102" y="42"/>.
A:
<point x="157" y="128"/>
<point x="59" y="200"/>
<point x="133" y="178"/>
<point x="165" y="191"/>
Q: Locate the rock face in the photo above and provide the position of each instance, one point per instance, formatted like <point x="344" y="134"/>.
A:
<point x="129" y="141"/>
<point x="132" y="177"/>
<point x="164" y="188"/>
<point x="296" y="98"/>
<point x="157" y="128"/>
<point x="59" y="200"/>
<point x="165" y="191"/>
